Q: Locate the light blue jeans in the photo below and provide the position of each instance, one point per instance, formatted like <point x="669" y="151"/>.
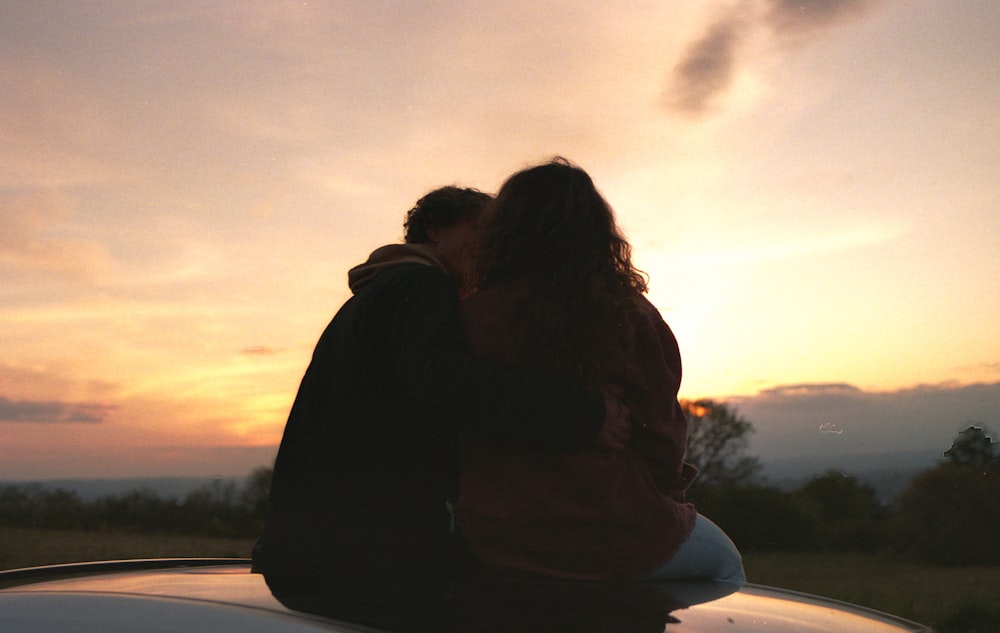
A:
<point x="707" y="554"/>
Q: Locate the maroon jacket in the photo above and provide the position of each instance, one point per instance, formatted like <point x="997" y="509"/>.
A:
<point x="592" y="515"/>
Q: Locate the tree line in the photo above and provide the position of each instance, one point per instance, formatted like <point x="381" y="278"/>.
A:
<point x="949" y="514"/>
<point x="221" y="508"/>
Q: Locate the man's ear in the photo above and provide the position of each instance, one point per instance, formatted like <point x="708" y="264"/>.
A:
<point x="433" y="234"/>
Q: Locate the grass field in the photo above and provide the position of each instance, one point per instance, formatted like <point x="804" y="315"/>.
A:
<point x="953" y="599"/>
<point x="965" y="599"/>
<point x="21" y="547"/>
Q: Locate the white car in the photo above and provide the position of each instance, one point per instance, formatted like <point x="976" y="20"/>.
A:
<point x="222" y="595"/>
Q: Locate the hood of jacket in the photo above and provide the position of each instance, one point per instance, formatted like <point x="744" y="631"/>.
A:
<point x="391" y="255"/>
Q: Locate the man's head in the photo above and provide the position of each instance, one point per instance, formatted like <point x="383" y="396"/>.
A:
<point x="442" y="208"/>
<point x="445" y="221"/>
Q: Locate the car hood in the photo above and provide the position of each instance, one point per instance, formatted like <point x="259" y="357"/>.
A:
<point x="224" y="595"/>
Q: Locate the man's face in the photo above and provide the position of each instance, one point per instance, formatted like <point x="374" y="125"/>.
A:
<point x="454" y="249"/>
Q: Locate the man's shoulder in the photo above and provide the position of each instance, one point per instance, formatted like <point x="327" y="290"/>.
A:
<point x="390" y="257"/>
<point x="416" y="272"/>
<point x="410" y="279"/>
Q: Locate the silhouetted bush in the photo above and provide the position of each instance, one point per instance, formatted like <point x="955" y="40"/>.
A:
<point x="35" y="506"/>
<point x="972" y="617"/>
<point x="950" y="515"/>
<point x="758" y="517"/>
<point x="848" y="514"/>
<point x="141" y="510"/>
<point x="717" y="442"/>
<point x="217" y="509"/>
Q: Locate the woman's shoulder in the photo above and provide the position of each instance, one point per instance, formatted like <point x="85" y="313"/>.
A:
<point x="488" y="318"/>
<point x="650" y="316"/>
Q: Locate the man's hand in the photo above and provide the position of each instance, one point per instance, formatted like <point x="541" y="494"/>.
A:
<point x="617" y="427"/>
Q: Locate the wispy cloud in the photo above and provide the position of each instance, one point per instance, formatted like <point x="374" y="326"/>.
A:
<point x="260" y="350"/>
<point x="52" y="411"/>
<point x="29" y="239"/>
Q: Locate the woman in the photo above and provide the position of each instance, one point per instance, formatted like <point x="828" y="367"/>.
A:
<point x="556" y="289"/>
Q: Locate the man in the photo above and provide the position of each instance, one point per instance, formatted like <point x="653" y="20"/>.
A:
<point x="369" y="457"/>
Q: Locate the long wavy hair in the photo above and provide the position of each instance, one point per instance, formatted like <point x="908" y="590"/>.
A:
<point x="550" y="229"/>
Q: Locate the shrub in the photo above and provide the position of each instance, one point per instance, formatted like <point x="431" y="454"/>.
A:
<point x="848" y="514"/>
<point x="758" y="517"/>
<point x="950" y="515"/>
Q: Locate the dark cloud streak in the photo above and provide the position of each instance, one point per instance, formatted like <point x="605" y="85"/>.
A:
<point x="35" y="411"/>
<point x="798" y="17"/>
<point x="706" y="69"/>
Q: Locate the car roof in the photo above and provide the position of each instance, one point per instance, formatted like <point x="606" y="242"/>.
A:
<point x="222" y="595"/>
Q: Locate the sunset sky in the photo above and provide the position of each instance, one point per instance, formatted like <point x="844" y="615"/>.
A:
<point x="813" y="188"/>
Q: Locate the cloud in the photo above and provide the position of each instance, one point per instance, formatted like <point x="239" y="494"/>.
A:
<point x="834" y="390"/>
<point x="707" y="68"/>
<point x="51" y="411"/>
<point x="839" y="419"/>
<point x="260" y="350"/>
<point x="713" y="60"/>
<point x="33" y="391"/>
<point x="29" y="240"/>
<point x="795" y="18"/>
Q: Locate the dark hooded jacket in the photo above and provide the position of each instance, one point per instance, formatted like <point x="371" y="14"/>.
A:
<point x="369" y="456"/>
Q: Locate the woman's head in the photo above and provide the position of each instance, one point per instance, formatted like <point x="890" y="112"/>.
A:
<point x="551" y="230"/>
<point x="551" y="221"/>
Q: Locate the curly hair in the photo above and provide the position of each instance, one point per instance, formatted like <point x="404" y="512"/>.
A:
<point x="440" y="208"/>
<point x="549" y="226"/>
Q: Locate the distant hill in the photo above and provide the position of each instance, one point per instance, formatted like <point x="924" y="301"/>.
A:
<point x="888" y="473"/>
